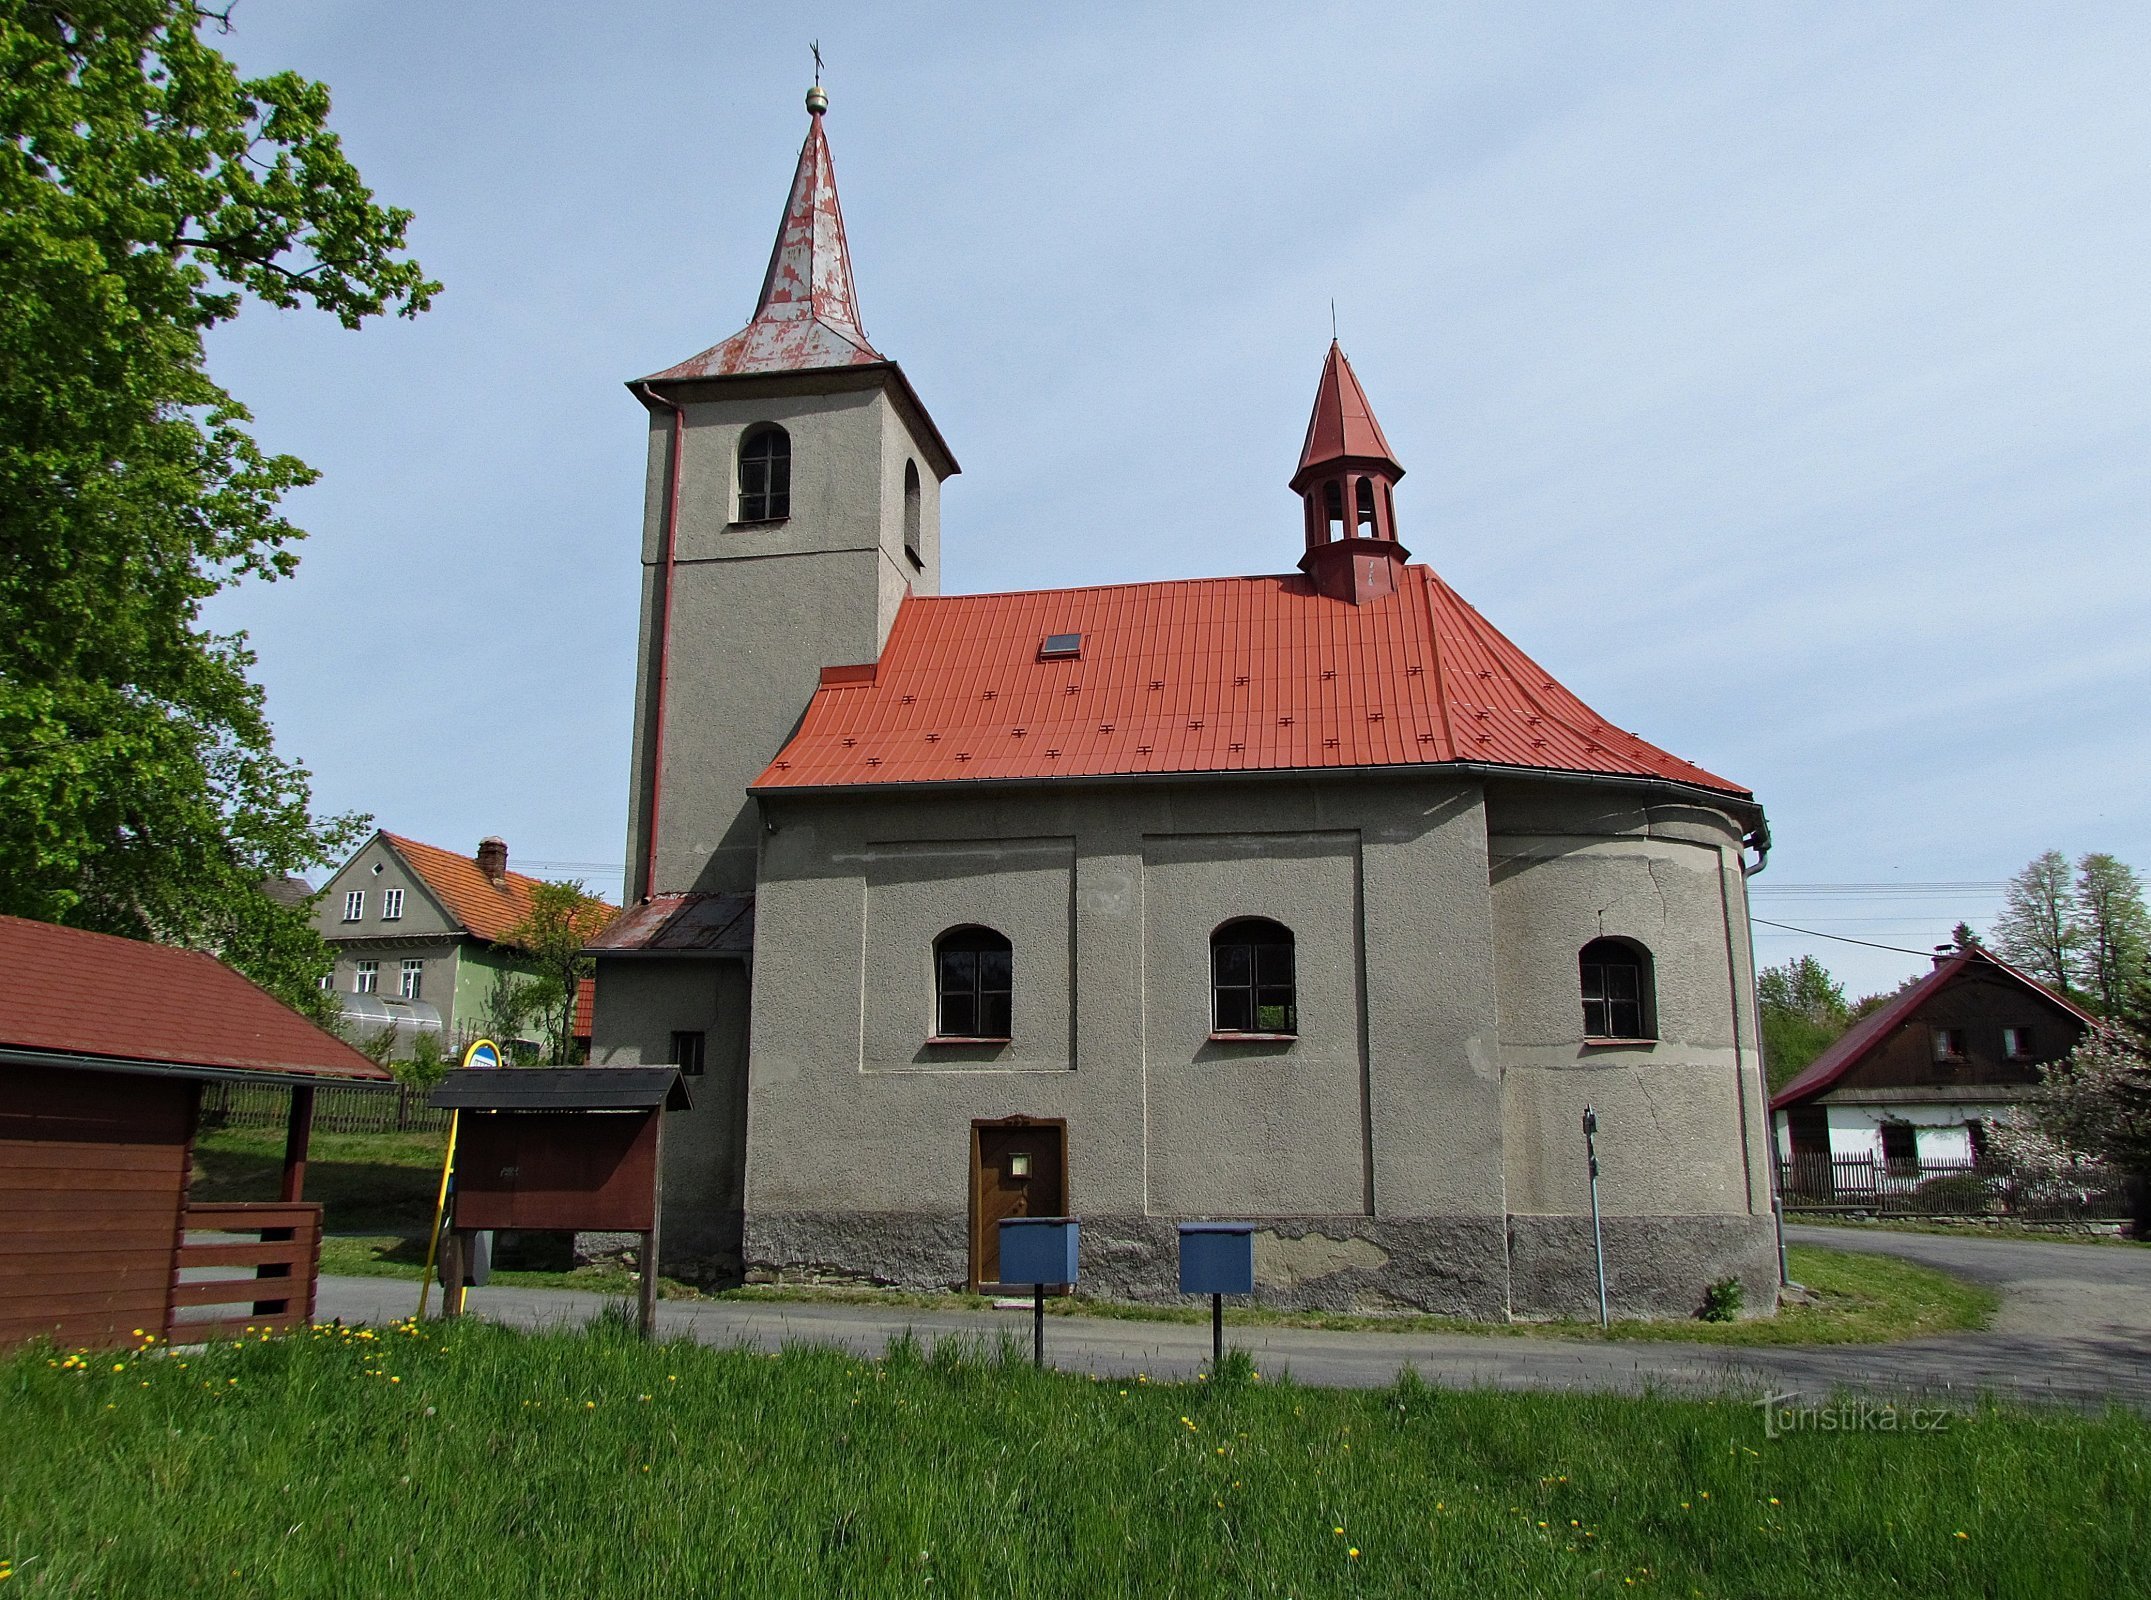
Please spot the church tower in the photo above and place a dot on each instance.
(1347, 476)
(793, 497)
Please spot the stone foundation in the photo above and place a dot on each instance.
(1485, 1268)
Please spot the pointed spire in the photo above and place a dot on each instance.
(808, 314)
(1342, 426)
(1347, 475)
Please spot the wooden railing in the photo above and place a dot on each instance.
(272, 1275)
(338, 1108)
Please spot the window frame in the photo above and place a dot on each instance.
(771, 501)
(1250, 997)
(975, 940)
(1947, 1046)
(366, 977)
(2017, 1043)
(354, 905)
(391, 905)
(1593, 959)
(411, 979)
(914, 516)
(690, 1051)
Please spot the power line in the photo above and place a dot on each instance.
(1840, 938)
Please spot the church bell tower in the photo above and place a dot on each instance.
(793, 498)
(1347, 478)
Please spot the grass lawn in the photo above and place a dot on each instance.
(475, 1462)
(366, 1182)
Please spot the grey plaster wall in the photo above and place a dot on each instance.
(757, 609)
(641, 1003)
(1409, 1148)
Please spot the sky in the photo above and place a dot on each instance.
(1774, 375)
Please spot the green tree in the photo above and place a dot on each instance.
(1803, 1012)
(2037, 929)
(146, 192)
(2113, 933)
(563, 920)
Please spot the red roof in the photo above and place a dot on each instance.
(1342, 425)
(585, 1006)
(76, 993)
(482, 906)
(1204, 675)
(808, 315)
(682, 924)
(1853, 1046)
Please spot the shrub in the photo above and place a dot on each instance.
(1722, 1301)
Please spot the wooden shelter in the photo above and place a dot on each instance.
(543, 1149)
(105, 1044)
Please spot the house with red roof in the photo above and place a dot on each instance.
(421, 935)
(1304, 897)
(105, 1045)
(1915, 1084)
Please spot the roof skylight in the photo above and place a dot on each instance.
(1061, 647)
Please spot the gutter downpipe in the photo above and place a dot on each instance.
(664, 631)
(1760, 838)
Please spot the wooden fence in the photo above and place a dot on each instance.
(338, 1108)
(271, 1275)
(1911, 1188)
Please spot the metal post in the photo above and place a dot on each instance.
(1598, 1236)
(1038, 1325)
(1217, 1332)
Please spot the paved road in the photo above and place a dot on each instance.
(2075, 1328)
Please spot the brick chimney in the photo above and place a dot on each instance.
(493, 859)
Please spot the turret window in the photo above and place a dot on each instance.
(1332, 510)
(1253, 988)
(765, 475)
(1617, 1000)
(1366, 527)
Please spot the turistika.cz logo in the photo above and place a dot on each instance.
(1784, 1413)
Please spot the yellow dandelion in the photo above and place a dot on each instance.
(1353, 1552)
(1961, 1534)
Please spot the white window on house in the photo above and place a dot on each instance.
(368, 979)
(391, 904)
(2017, 1043)
(328, 981)
(1949, 1044)
(414, 979)
(354, 905)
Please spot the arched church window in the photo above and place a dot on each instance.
(1366, 527)
(1252, 985)
(765, 475)
(973, 980)
(911, 514)
(1617, 998)
(1333, 510)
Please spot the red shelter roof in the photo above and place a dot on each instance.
(73, 993)
(1204, 675)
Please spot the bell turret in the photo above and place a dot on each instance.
(1347, 476)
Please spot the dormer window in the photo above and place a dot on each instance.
(1060, 647)
(765, 475)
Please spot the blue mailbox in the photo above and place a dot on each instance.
(1217, 1258)
(1038, 1249)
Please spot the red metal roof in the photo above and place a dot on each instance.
(1204, 675)
(1342, 425)
(808, 315)
(1853, 1046)
(76, 993)
(681, 924)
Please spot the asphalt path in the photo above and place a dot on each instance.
(2075, 1329)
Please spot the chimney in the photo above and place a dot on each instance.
(493, 859)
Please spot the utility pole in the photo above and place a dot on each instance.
(1598, 1235)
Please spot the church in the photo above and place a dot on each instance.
(1303, 898)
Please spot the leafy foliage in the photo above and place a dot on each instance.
(2092, 1106)
(2088, 935)
(145, 192)
(563, 919)
(1803, 1011)
(2036, 930)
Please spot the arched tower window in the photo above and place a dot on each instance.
(1616, 985)
(974, 970)
(1365, 525)
(911, 515)
(765, 475)
(1332, 510)
(1252, 986)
